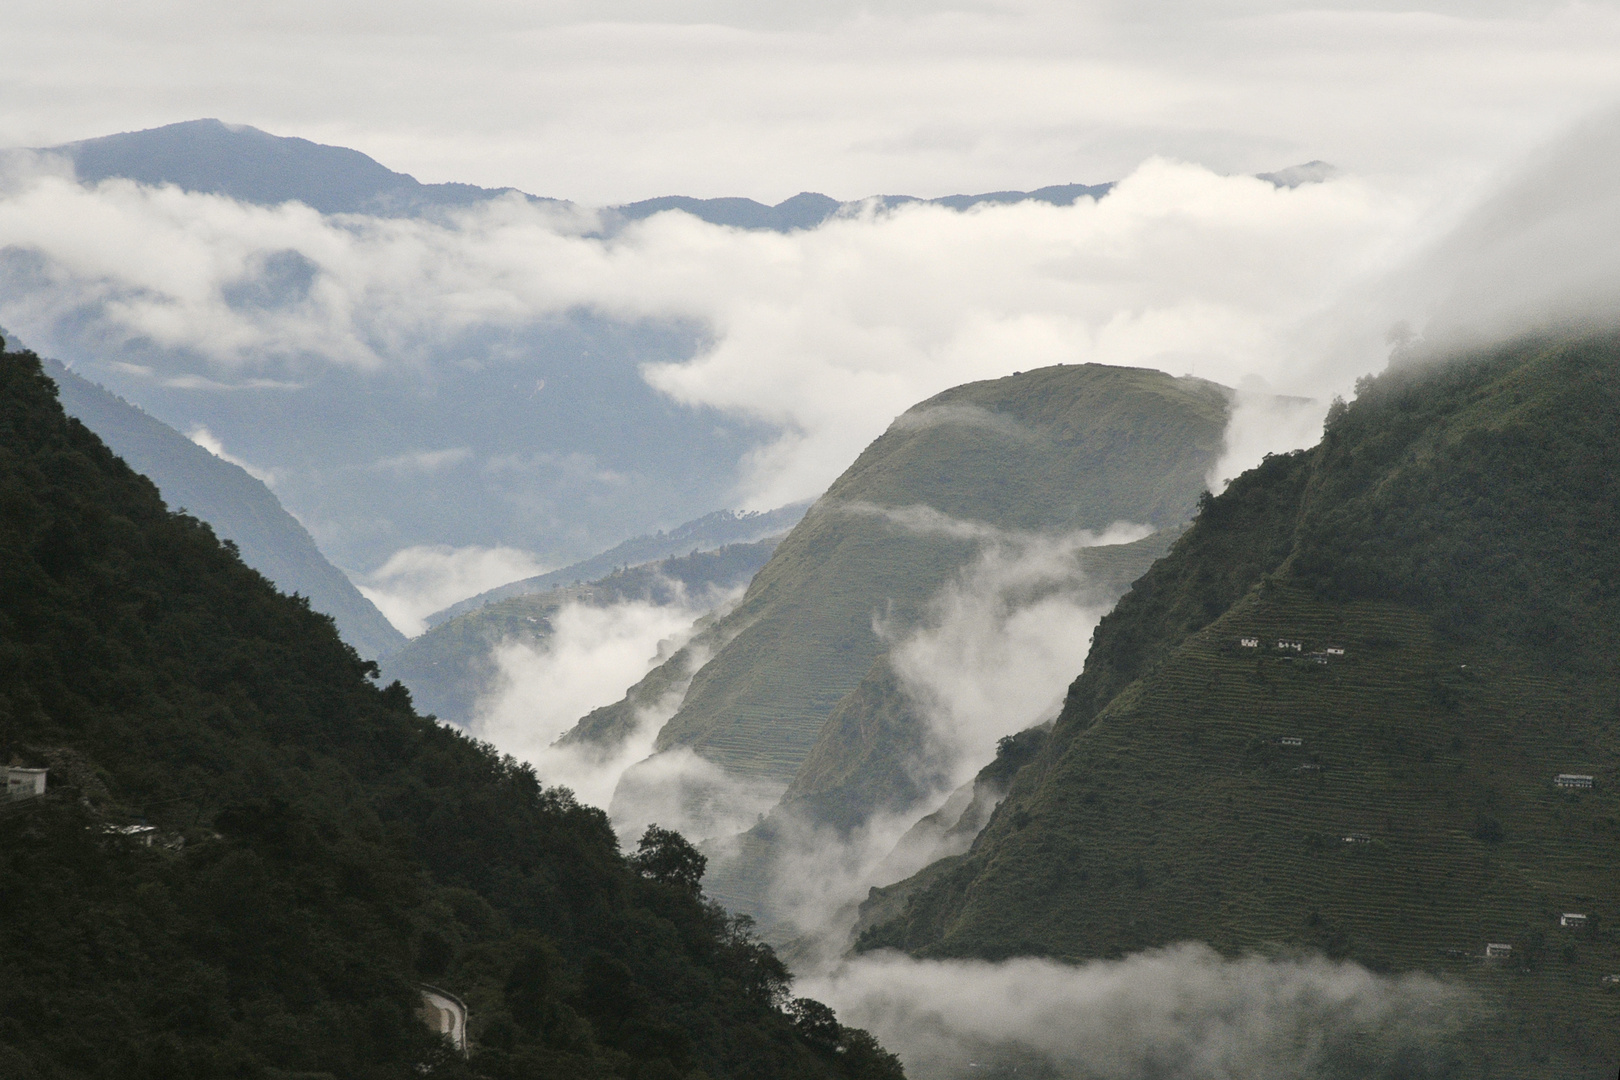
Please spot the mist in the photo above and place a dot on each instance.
(992, 654)
(417, 581)
(1182, 1012)
(813, 341)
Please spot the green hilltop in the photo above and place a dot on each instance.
(1456, 534)
(249, 857)
(1050, 451)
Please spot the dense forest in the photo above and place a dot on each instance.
(317, 851)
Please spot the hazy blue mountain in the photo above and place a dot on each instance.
(251, 165)
(708, 532)
(254, 166)
(238, 506)
(449, 668)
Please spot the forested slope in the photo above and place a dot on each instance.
(1457, 534)
(238, 507)
(320, 849)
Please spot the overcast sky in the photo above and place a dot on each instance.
(611, 101)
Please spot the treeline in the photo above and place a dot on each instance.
(320, 850)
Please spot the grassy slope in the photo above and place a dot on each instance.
(448, 668)
(1056, 449)
(1459, 514)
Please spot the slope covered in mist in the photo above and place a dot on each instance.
(317, 850)
(1051, 451)
(1455, 535)
(449, 668)
(238, 506)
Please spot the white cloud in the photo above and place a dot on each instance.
(594, 655)
(417, 581)
(998, 648)
(1182, 1011)
(207, 440)
(827, 334)
(423, 460)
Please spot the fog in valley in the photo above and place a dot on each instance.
(748, 368)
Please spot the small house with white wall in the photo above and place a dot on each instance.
(24, 783)
(1572, 780)
(1248, 642)
(1291, 646)
(1290, 740)
(444, 1014)
(1572, 920)
(1496, 950)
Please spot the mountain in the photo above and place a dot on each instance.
(722, 528)
(450, 667)
(238, 506)
(1335, 716)
(253, 166)
(1049, 451)
(242, 162)
(249, 858)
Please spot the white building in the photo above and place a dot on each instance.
(1571, 919)
(24, 783)
(1291, 740)
(1249, 642)
(1495, 950)
(1334, 650)
(1572, 780)
(1296, 646)
(445, 1014)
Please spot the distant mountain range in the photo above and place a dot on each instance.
(215, 158)
(238, 506)
(719, 529)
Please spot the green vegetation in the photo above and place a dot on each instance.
(449, 668)
(320, 851)
(1054, 450)
(1457, 533)
(237, 506)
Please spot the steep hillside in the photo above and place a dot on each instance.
(449, 668)
(1457, 535)
(238, 507)
(1050, 451)
(316, 849)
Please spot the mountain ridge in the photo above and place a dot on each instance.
(1333, 717)
(238, 505)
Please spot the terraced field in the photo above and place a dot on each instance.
(1455, 534)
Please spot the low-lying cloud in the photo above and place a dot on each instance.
(593, 656)
(1181, 1012)
(417, 581)
(1000, 645)
(823, 336)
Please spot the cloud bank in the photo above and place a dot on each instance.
(1183, 1012)
(822, 336)
(417, 581)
